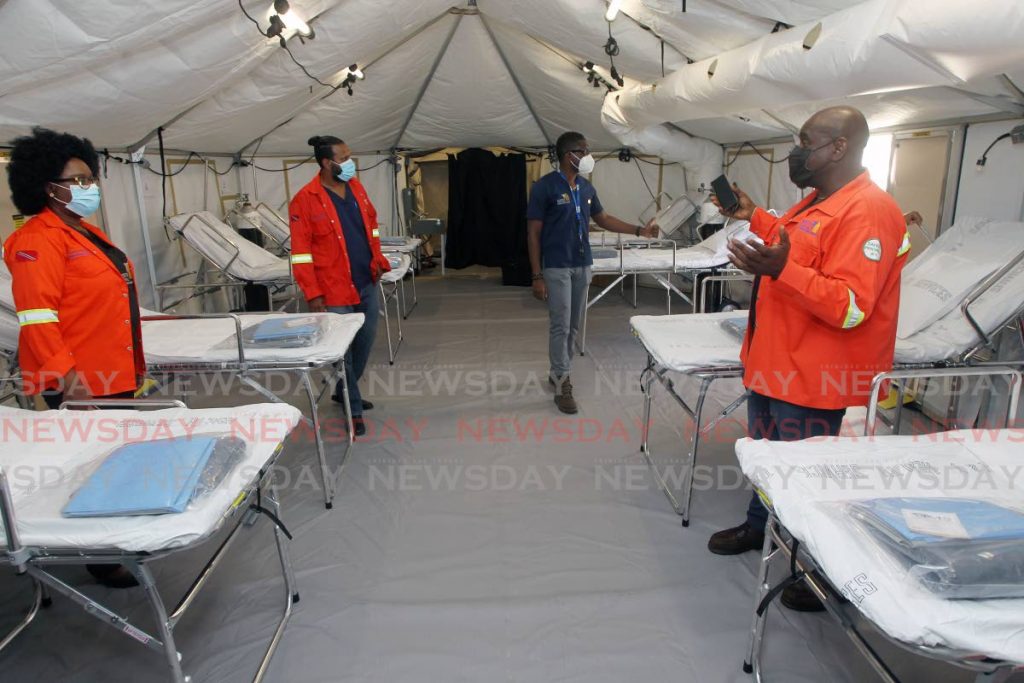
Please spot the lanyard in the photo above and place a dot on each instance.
(577, 203)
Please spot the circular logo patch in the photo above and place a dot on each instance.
(872, 250)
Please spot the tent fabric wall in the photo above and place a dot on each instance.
(995, 191)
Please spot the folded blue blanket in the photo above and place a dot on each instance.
(145, 478)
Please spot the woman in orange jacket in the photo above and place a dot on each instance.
(74, 291)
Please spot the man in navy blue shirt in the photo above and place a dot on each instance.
(558, 218)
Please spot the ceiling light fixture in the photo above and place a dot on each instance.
(283, 18)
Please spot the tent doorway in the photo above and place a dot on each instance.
(487, 213)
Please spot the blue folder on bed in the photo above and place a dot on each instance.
(283, 329)
(978, 520)
(144, 478)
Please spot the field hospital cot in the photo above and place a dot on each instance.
(238, 261)
(234, 488)
(955, 297)
(816, 490)
(245, 263)
(215, 343)
(701, 263)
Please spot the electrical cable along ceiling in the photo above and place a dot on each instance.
(491, 72)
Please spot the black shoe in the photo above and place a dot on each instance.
(112, 575)
(341, 401)
(358, 426)
(800, 598)
(736, 540)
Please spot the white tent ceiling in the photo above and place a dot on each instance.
(507, 73)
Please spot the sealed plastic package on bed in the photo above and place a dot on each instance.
(955, 547)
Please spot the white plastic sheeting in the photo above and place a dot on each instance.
(807, 479)
(52, 466)
(214, 340)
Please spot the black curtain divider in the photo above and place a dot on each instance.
(487, 213)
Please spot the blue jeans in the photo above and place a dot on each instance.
(359, 353)
(775, 420)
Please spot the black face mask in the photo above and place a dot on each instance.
(798, 172)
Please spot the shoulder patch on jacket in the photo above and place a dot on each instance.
(872, 249)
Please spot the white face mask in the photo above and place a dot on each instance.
(585, 165)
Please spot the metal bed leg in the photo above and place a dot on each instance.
(698, 412)
(321, 454)
(645, 446)
(636, 279)
(291, 594)
(145, 579)
(37, 601)
(406, 312)
(752, 664)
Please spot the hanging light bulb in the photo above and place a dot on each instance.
(287, 17)
(356, 72)
(613, 10)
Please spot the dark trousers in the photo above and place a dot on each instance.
(359, 353)
(775, 420)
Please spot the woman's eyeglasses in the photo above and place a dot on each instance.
(80, 180)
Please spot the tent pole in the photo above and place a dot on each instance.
(144, 224)
(430, 77)
(515, 79)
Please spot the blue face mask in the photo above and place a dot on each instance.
(346, 170)
(84, 200)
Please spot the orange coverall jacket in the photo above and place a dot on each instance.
(827, 325)
(73, 307)
(319, 256)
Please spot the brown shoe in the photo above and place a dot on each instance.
(800, 598)
(563, 395)
(736, 540)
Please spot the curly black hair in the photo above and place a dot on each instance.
(40, 158)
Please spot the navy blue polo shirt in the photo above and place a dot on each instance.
(354, 230)
(564, 241)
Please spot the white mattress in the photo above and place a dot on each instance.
(686, 342)
(940, 278)
(273, 224)
(45, 472)
(208, 235)
(411, 245)
(400, 264)
(636, 261)
(213, 340)
(806, 480)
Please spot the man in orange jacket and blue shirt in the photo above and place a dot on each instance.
(824, 303)
(336, 256)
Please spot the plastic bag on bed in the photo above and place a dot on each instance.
(392, 241)
(156, 477)
(737, 326)
(604, 254)
(285, 332)
(956, 548)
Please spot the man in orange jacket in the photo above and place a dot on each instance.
(824, 303)
(336, 256)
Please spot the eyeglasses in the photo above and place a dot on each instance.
(80, 180)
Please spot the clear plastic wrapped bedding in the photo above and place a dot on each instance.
(291, 332)
(392, 241)
(604, 253)
(163, 476)
(956, 548)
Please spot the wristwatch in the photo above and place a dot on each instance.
(538, 276)
(638, 229)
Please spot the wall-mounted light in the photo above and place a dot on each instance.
(283, 18)
(613, 10)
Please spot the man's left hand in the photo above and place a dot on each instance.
(760, 259)
(650, 230)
